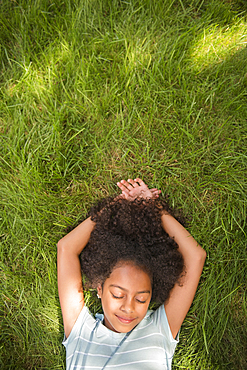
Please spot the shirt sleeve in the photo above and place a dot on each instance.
(160, 318)
(83, 317)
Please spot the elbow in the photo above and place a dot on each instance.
(195, 262)
(60, 245)
(201, 257)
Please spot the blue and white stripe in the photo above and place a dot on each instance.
(150, 346)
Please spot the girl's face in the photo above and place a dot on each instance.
(125, 297)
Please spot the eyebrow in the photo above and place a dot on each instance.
(117, 286)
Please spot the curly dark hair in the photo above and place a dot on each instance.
(132, 231)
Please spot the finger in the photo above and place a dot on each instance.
(126, 184)
(155, 190)
(142, 183)
(133, 183)
(125, 194)
(121, 186)
(155, 194)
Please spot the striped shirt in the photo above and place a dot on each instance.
(91, 345)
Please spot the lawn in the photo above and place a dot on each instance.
(95, 91)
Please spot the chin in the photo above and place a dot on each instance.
(124, 327)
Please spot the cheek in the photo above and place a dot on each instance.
(142, 310)
(109, 305)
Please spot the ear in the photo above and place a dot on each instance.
(99, 290)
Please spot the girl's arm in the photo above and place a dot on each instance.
(70, 288)
(194, 256)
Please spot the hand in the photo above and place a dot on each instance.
(133, 189)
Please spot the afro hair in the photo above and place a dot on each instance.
(131, 231)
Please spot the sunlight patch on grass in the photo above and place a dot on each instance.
(41, 74)
(216, 44)
(138, 53)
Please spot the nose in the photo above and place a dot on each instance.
(128, 306)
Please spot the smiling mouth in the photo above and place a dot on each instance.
(125, 320)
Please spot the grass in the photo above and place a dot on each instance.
(95, 91)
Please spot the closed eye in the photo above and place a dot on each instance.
(114, 296)
(138, 300)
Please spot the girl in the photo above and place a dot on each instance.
(135, 253)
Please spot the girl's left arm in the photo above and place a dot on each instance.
(194, 256)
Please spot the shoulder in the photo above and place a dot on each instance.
(157, 319)
(157, 316)
(85, 322)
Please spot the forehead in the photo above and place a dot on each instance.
(129, 277)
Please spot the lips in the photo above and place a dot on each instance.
(125, 320)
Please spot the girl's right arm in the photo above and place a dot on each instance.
(70, 288)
